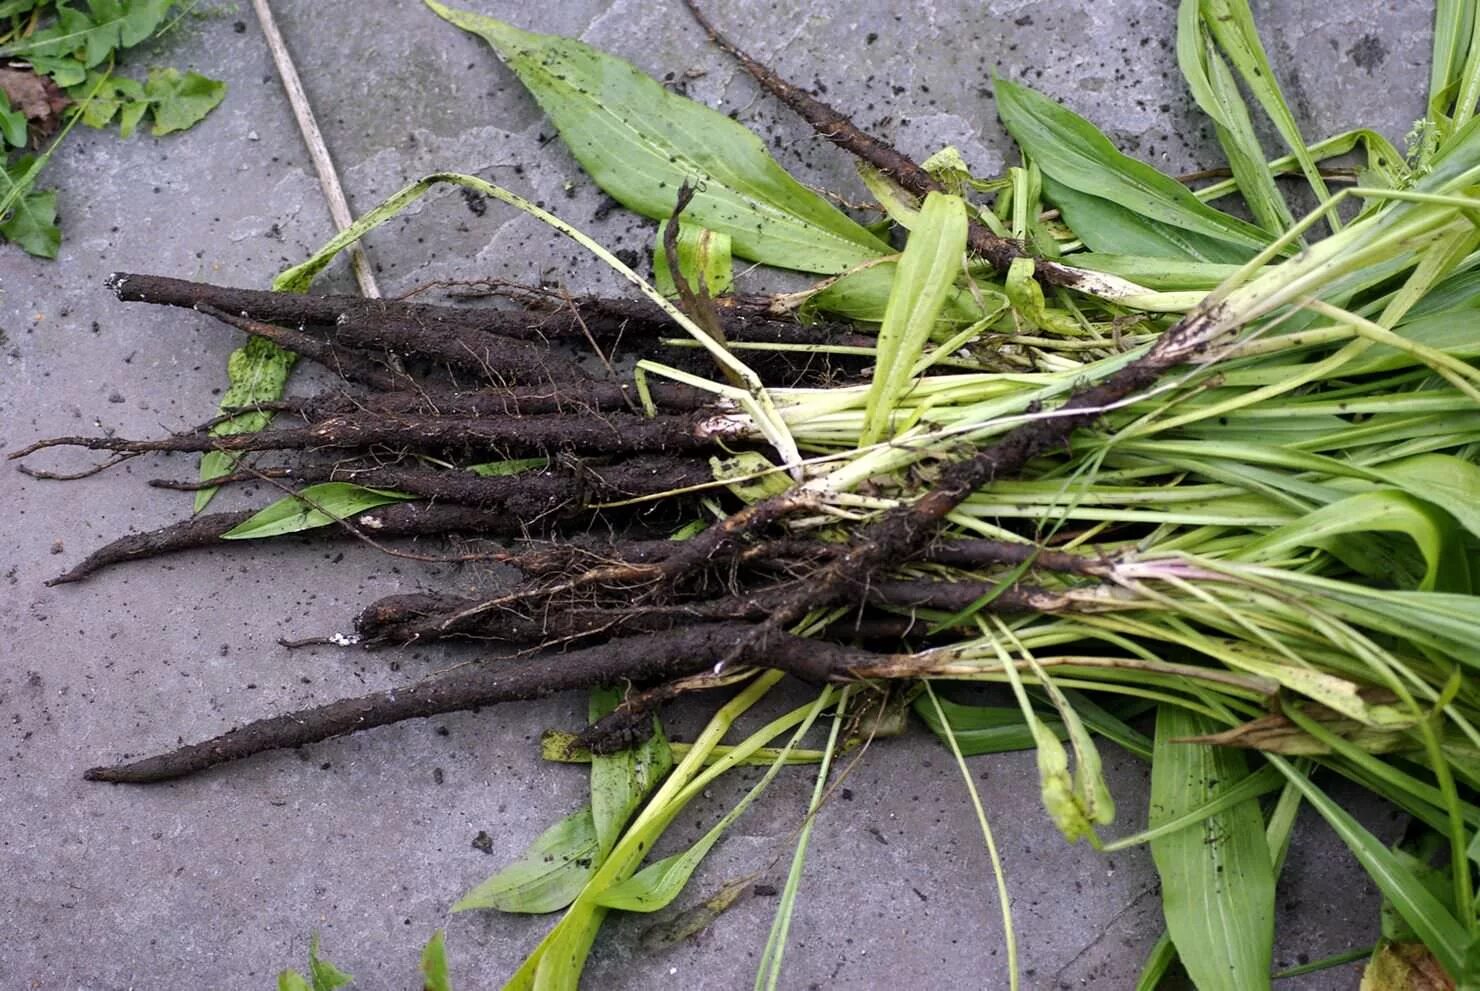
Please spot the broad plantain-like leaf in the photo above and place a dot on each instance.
(641, 142)
(315, 506)
(863, 296)
(546, 877)
(1105, 225)
(1075, 156)
(922, 282)
(1217, 878)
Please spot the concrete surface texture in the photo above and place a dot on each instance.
(218, 881)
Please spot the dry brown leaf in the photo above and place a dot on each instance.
(1405, 967)
(36, 96)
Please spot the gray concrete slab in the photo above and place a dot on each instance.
(216, 882)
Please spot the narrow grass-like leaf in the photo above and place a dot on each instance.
(1255, 785)
(1217, 877)
(548, 876)
(768, 974)
(1216, 92)
(1232, 26)
(1440, 931)
(998, 876)
(1452, 26)
(1163, 954)
(640, 142)
(314, 506)
(656, 885)
(927, 270)
(1157, 273)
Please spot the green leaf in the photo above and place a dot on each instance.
(621, 781)
(1073, 154)
(640, 142)
(548, 876)
(1451, 483)
(1217, 877)
(1452, 27)
(1028, 301)
(1215, 91)
(656, 885)
(65, 72)
(314, 506)
(750, 474)
(511, 466)
(92, 36)
(177, 100)
(863, 296)
(983, 729)
(325, 976)
(30, 222)
(1432, 530)
(434, 975)
(1105, 225)
(180, 101)
(291, 980)
(255, 373)
(1444, 935)
(703, 258)
(13, 127)
(9, 8)
(926, 273)
(1231, 25)
(1157, 273)
(110, 94)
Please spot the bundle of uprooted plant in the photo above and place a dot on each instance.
(1084, 435)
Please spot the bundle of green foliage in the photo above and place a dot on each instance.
(57, 67)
